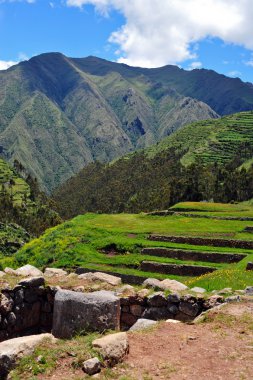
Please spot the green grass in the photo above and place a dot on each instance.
(80, 241)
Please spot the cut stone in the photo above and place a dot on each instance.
(78, 312)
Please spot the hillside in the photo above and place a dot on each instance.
(22, 208)
(198, 162)
(57, 114)
(210, 248)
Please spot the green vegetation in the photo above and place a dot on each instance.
(160, 176)
(71, 112)
(22, 208)
(113, 243)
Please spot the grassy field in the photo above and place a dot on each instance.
(114, 243)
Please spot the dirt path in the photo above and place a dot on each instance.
(219, 349)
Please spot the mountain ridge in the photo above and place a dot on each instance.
(58, 114)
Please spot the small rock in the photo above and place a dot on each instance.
(225, 291)
(157, 300)
(112, 347)
(108, 278)
(196, 289)
(239, 291)
(249, 291)
(6, 304)
(189, 308)
(157, 313)
(2, 274)
(79, 288)
(86, 276)
(142, 324)
(29, 270)
(126, 290)
(233, 299)
(173, 298)
(143, 293)
(137, 310)
(92, 366)
(249, 266)
(172, 321)
(152, 283)
(10, 271)
(40, 359)
(32, 282)
(172, 285)
(55, 272)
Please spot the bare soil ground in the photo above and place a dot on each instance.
(220, 348)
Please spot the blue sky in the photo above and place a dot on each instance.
(214, 34)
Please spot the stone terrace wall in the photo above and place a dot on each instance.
(159, 307)
(245, 244)
(26, 309)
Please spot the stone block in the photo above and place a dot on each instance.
(80, 312)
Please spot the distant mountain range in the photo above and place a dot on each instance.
(206, 160)
(57, 114)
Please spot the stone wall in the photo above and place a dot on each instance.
(159, 307)
(26, 309)
(175, 269)
(244, 244)
(181, 254)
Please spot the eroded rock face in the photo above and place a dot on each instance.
(77, 312)
(112, 347)
(13, 349)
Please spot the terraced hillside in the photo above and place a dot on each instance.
(198, 162)
(21, 205)
(123, 244)
(219, 141)
(13, 184)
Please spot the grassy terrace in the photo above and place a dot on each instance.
(114, 243)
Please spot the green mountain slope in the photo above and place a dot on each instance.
(21, 205)
(58, 114)
(198, 162)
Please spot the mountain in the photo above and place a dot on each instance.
(57, 114)
(206, 160)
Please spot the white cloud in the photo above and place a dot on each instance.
(195, 65)
(4, 65)
(249, 63)
(234, 74)
(158, 32)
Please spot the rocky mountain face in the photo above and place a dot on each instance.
(58, 114)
